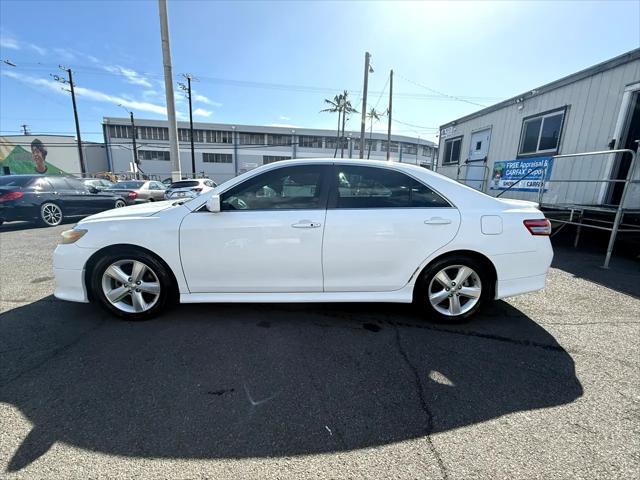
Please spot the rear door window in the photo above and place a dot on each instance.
(374, 187)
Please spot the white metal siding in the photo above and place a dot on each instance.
(593, 105)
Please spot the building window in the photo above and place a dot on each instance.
(541, 133)
(426, 151)
(331, 143)
(183, 135)
(198, 136)
(308, 141)
(410, 149)
(251, 139)
(278, 139)
(153, 155)
(273, 158)
(120, 131)
(217, 158)
(153, 133)
(218, 136)
(394, 146)
(373, 143)
(452, 149)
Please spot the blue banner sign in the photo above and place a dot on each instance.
(506, 173)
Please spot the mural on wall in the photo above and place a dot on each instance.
(506, 173)
(31, 158)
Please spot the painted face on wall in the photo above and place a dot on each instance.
(38, 157)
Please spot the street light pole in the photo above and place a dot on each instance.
(168, 86)
(363, 121)
(389, 110)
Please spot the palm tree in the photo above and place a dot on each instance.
(373, 114)
(347, 109)
(335, 106)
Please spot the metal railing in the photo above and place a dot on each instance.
(483, 181)
(619, 209)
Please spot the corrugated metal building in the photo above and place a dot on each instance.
(594, 109)
(224, 150)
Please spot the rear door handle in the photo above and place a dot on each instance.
(437, 221)
(306, 224)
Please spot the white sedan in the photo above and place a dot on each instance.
(311, 230)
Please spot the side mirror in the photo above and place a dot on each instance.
(213, 204)
(93, 189)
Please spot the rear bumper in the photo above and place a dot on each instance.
(518, 286)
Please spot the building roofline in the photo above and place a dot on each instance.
(574, 77)
(141, 122)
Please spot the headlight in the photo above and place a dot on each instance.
(72, 236)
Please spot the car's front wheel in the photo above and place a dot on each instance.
(50, 214)
(133, 285)
(453, 289)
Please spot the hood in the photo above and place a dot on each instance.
(134, 211)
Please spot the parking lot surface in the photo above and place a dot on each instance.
(546, 385)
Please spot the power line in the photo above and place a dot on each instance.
(453, 97)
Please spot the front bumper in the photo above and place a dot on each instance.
(68, 270)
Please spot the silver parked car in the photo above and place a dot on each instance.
(139, 191)
(189, 188)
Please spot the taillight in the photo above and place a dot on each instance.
(197, 189)
(5, 197)
(132, 195)
(541, 226)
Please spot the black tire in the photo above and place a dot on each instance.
(164, 278)
(428, 285)
(51, 214)
(119, 203)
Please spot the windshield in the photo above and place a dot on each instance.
(184, 184)
(11, 181)
(127, 185)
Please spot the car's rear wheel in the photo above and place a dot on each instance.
(452, 289)
(133, 285)
(120, 203)
(50, 214)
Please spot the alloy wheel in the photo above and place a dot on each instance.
(120, 204)
(51, 214)
(455, 290)
(131, 286)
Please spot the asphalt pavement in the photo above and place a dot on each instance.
(545, 385)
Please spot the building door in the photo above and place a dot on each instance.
(477, 160)
(629, 140)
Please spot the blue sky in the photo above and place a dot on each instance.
(275, 62)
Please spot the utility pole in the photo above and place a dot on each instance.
(188, 90)
(25, 129)
(168, 86)
(69, 82)
(367, 69)
(389, 110)
(135, 149)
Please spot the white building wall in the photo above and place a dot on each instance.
(593, 105)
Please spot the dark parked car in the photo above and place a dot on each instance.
(50, 198)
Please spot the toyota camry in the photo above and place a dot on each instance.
(312, 230)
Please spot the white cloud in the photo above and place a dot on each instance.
(206, 100)
(130, 75)
(37, 49)
(9, 42)
(201, 112)
(286, 119)
(64, 53)
(89, 93)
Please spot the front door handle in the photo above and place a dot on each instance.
(437, 221)
(306, 224)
